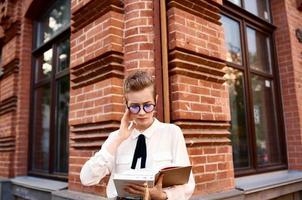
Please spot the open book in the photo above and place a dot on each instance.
(172, 176)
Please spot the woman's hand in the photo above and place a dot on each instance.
(156, 193)
(124, 132)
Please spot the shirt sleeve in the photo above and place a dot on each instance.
(180, 158)
(99, 165)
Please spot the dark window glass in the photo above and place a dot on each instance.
(259, 51)
(258, 7)
(44, 65)
(42, 128)
(232, 40)
(54, 21)
(62, 125)
(268, 150)
(49, 152)
(63, 55)
(239, 137)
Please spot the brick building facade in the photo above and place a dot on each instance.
(227, 72)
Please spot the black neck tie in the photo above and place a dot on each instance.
(140, 152)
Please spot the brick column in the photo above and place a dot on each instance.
(23, 104)
(97, 73)
(139, 35)
(287, 18)
(139, 43)
(199, 98)
(10, 23)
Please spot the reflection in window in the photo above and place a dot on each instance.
(43, 66)
(265, 122)
(237, 2)
(46, 66)
(239, 138)
(232, 40)
(63, 55)
(62, 125)
(259, 51)
(54, 21)
(258, 7)
(42, 128)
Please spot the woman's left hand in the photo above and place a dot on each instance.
(155, 192)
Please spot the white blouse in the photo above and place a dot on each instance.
(165, 148)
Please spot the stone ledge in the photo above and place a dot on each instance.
(228, 195)
(26, 187)
(39, 183)
(261, 186)
(270, 185)
(260, 182)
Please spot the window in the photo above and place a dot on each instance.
(50, 98)
(256, 126)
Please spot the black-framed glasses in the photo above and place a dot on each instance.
(136, 108)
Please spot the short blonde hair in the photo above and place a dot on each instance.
(137, 81)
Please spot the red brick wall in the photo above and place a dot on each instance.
(9, 51)
(8, 88)
(139, 35)
(287, 19)
(6, 169)
(105, 34)
(194, 33)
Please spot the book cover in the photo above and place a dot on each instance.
(175, 175)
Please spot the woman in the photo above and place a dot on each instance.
(141, 142)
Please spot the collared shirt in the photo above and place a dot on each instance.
(165, 148)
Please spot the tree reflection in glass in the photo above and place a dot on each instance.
(61, 162)
(63, 55)
(258, 7)
(43, 66)
(47, 63)
(232, 40)
(42, 128)
(259, 51)
(54, 21)
(267, 140)
(234, 81)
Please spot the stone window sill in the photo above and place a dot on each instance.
(39, 183)
(260, 182)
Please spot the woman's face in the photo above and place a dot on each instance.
(141, 98)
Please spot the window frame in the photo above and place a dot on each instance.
(246, 19)
(53, 44)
